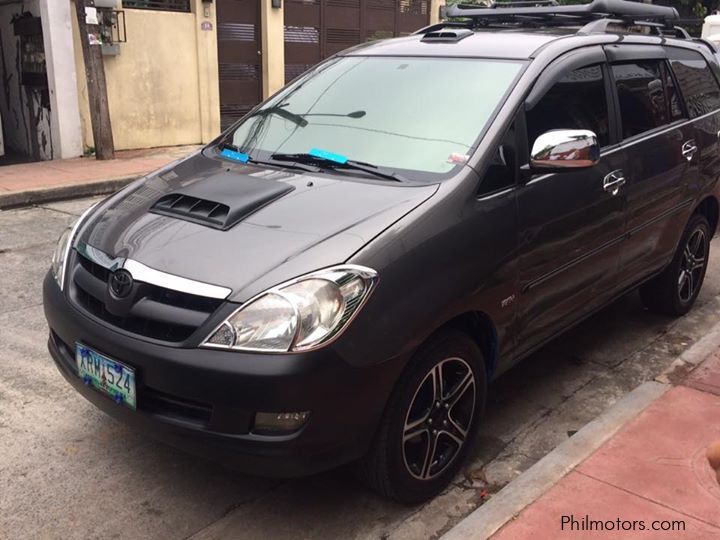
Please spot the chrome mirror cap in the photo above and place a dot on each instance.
(565, 149)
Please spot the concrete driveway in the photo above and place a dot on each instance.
(68, 471)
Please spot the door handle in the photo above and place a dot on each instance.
(613, 182)
(689, 149)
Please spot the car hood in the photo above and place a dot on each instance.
(277, 224)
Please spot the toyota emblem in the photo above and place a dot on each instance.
(121, 283)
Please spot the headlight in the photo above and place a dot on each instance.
(62, 249)
(59, 256)
(300, 315)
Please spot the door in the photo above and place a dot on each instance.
(239, 60)
(701, 96)
(571, 224)
(661, 155)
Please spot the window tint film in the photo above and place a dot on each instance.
(641, 93)
(577, 101)
(697, 84)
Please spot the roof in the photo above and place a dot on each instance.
(510, 44)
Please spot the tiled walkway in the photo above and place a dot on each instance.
(65, 172)
(653, 471)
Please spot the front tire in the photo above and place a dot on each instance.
(675, 290)
(430, 422)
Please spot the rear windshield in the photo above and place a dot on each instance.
(419, 116)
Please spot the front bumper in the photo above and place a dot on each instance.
(204, 401)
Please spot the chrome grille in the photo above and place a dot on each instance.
(151, 311)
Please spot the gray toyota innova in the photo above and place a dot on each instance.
(339, 276)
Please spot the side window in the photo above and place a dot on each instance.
(577, 101)
(675, 110)
(697, 83)
(501, 173)
(641, 92)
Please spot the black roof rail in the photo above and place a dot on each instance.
(544, 11)
(707, 43)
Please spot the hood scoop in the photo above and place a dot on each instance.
(220, 201)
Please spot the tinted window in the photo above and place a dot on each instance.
(675, 110)
(502, 169)
(641, 92)
(383, 111)
(577, 101)
(697, 83)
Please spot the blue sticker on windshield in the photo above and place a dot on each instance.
(324, 154)
(235, 156)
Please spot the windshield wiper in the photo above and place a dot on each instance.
(300, 119)
(329, 163)
(246, 158)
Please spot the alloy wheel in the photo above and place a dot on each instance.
(439, 418)
(692, 265)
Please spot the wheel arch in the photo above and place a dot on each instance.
(711, 210)
(481, 329)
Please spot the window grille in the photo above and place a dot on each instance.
(159, 5)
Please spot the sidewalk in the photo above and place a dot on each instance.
(653, 472)
(32, 183)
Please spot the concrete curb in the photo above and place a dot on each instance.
(531, 484)
(691, 357)
(44, 195)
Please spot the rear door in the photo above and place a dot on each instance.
(660, 157)
(571, 226)
(699, 87)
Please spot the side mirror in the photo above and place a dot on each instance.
(565, 149)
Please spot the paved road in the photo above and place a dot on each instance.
(68, 471)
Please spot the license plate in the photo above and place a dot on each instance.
(106, 375)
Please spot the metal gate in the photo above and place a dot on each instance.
(240, 69)
(316, 29)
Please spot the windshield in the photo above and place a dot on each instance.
(419, 115)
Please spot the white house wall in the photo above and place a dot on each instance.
(64, 109)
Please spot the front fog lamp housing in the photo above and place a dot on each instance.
(300, 315)
(267, 423)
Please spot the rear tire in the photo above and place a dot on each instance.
(675, 290)
(428, 428)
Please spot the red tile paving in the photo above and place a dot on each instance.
(49, 174)
(578, 496)
(654, 468)
(661, 454)
(707, 376)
